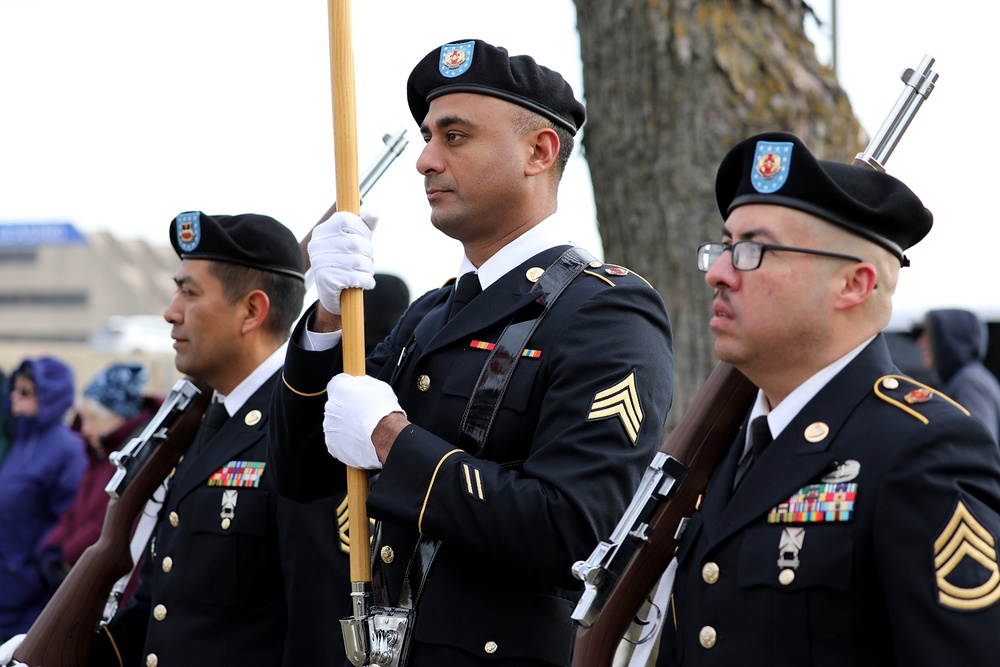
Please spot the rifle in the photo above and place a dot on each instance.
(618, 576)
(393, 145)
(63, 634)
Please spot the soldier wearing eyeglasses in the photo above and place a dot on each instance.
(855, 519)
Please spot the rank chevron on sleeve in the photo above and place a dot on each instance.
(966, 542)
(620, 400)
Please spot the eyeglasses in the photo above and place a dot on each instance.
(747, 255)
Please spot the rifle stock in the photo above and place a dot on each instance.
(699, 441)
(63, 634)
(613, 594)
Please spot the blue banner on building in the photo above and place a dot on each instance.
(33, 234)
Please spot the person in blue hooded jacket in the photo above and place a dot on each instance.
(38, 480)
(954, 344)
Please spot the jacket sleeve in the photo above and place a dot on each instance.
(935, 533)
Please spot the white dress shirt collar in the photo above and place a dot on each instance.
(251, 383)
(539, 238)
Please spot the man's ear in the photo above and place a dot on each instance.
(859, 281)
(258, 305)
(544, 147)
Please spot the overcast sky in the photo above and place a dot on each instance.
(118, 114)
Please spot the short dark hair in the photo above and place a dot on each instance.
(526, 120)
(286, 293)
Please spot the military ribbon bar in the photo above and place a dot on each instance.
(483, 345)
(816, 503)
(238, 473)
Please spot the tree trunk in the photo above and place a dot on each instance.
(671, 86)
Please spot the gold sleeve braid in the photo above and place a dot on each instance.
(300, 393)
(420, 519)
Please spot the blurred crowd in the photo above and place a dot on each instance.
(54, 466)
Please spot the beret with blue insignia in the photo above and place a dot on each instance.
(777, 168)
(252, 240)
(473, 66)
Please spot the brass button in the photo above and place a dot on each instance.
(710, 573)
(159, 612)
(168, 564)
(424, 382)
(252, 418)
(175, 519)
(387, 554)
(816, 432)
(152, 660)
(890, 383)
(226, 523)
(534, 273)
(707, 637)
(173, 471)
(491, 647)
(786, 576)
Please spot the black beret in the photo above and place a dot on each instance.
(249, 239)
(777, 168)
(473, 66)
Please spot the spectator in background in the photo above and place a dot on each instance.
(111, 411)
(954, 343)
(38, 480)
(6, 427)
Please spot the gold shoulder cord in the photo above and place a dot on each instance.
(910, 411)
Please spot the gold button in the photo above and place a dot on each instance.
(816, 431)
(252, 418)
(424, 382)
(491, 647)
(168, 564)
(152, 660)
(707, 637)
(786, 576)
(175, 519)
(534, 273)
(226, 523)
(710, 573)
(890, 383)
(159, 612)
(387, 554)
(173, 471)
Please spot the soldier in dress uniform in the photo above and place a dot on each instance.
(214, 586)
(505, 489)
(858, 524)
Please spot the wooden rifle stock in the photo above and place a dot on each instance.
(699, 441)
(63, 634)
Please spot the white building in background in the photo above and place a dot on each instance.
(60, 286)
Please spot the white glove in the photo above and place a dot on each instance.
(8, 648)
(342, 256)
(354, 406)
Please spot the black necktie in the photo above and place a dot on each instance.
(215, 417)
(760, 438)
(466, 290)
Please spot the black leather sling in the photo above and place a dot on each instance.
(485, 400)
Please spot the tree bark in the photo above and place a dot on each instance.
(671, 86)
